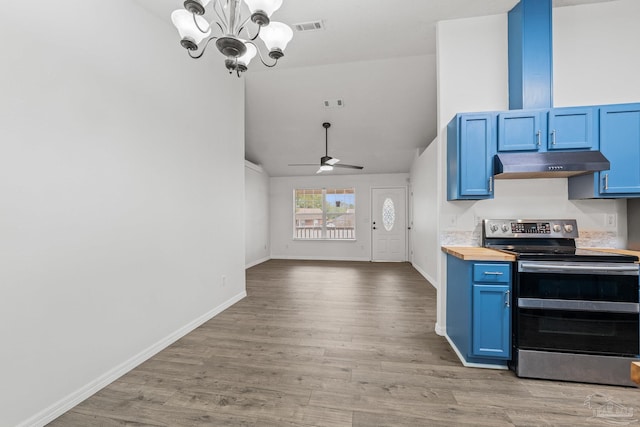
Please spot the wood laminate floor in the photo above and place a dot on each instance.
(334, 344)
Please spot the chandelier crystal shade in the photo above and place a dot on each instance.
(230, 21)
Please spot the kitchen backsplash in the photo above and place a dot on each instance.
(598, 239)
(586, 239)
(461, 238)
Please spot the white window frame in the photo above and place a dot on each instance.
(323, 226)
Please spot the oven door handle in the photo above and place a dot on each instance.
(577, 305)
(586, 269)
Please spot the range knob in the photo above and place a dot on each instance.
(568, 228)
(557, 228)
(505, 227)
(494, 227)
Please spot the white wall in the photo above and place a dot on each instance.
(387, 102)
(424, 230)
(256, 208)
(114, 216)
(282, 243)
(472, 76)
(595, 53)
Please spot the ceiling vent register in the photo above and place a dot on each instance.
(309, 26)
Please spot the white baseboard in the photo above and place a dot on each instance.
(425, 275)
(473, 365)
(320, 258)
(63, 405)
(256, 262)
(440, 330)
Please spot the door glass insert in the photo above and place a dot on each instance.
(388, 214)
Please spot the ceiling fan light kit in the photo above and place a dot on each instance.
(327, 163)
(227, 15)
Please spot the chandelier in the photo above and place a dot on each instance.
(195, 23)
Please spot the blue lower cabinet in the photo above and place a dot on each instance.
(491, 320)
(479, 310)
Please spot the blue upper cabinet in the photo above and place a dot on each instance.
(530, 55)
(470, 149)
(571, 128)
(521, 130)
(553, 129)
(620, 144)
(619, 141)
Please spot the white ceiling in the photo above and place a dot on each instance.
(379, 59)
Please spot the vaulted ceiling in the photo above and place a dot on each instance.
(377, 57)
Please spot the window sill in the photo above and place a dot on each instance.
(323, 240)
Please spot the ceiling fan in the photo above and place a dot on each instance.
(327, 163)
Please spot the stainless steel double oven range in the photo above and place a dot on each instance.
(575, 311)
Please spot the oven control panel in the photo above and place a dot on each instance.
(530, 228)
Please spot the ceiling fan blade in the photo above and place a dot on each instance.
(327, 163)
(332, 161)
(342, 165)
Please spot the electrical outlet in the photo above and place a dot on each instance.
(610, 220)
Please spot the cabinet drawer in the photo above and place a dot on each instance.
(495, 273)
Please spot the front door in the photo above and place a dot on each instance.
(389, 224)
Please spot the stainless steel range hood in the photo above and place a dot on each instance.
(548, 165)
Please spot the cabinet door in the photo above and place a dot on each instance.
(620, 144)
(491, 333)
(476, 156)
(570, 128)
(521, 131)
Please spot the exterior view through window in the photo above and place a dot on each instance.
(325, 213)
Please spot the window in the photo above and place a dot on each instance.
(324, 213)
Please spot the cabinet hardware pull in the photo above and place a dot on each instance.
(494, 273)
(553, 137)
(539, 137)
(606, 181)
(507, 298)
(490, 184)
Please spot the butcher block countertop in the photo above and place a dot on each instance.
(617, 251)
(473, 253)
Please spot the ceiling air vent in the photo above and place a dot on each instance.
(309, 26)
(333, 103)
